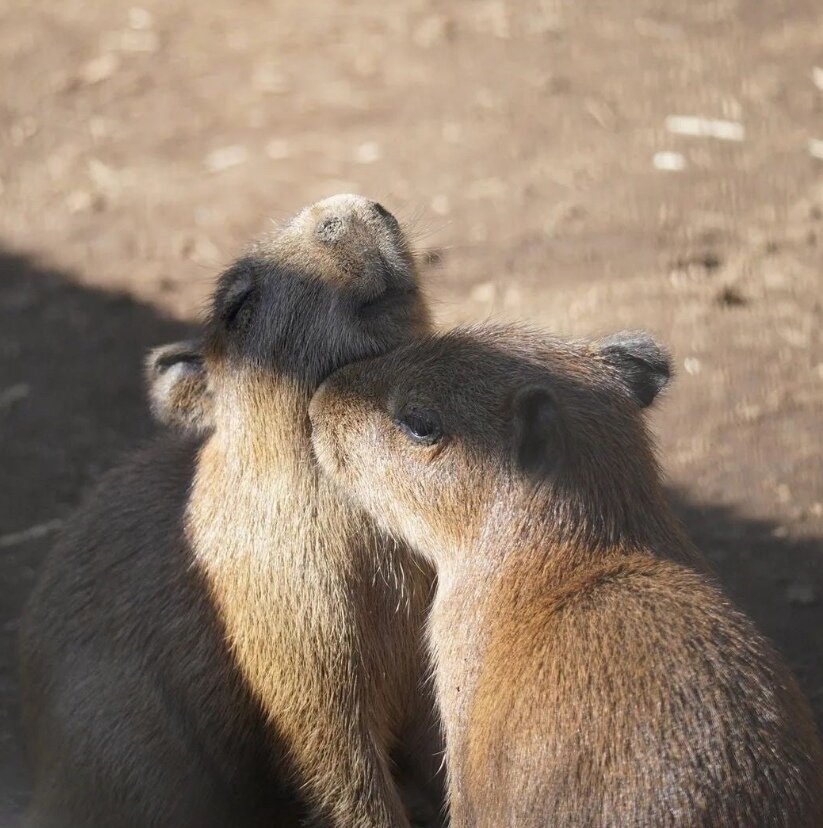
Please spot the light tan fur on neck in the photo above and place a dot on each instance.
(296, 539)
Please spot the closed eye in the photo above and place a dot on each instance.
(232, 316)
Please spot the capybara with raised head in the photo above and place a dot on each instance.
(589, 669)
(218, 634)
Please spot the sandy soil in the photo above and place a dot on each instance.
(141, 147)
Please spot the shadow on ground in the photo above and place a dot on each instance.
(776, 579)
(72, 402)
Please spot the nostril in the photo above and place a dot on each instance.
(329, 228)
(384, 214)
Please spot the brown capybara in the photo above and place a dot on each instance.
(216, 620)
(589, 671)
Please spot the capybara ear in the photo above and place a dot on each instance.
(178, 387)
(643, 365)
(538, 431)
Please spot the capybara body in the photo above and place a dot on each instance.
(217, 625)
(135, 709)
(589, 670)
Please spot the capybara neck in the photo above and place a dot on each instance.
(247, 429)
(552, 530)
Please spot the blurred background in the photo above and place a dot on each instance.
(586, 166)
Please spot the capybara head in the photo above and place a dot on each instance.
(334, 284)
(449, 440)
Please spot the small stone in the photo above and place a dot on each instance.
(692, 365)
(226, 157)
(699, 127)
(801, 595)
(14, 394)
(816, 148)
(817, 77)
(669, 161)
(99, 69)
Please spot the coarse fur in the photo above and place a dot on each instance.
(178, 388)
(217, 632)
(589, 669)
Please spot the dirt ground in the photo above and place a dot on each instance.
(141, 147)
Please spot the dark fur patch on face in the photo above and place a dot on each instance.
(303, 303)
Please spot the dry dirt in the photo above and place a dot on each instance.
(141, 147)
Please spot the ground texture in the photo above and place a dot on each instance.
(142, 147)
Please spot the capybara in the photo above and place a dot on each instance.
(589, 669)
(218, 632)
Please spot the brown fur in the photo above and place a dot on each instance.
(178, 390)
(589, 670)
(216, 620)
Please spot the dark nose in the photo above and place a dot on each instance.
(387, 218)
(338, 215)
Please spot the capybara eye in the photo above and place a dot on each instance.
(420, 426)
(237, 313)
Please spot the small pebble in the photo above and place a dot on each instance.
(670, 161)
(13, 394)
(99, 69)
(700, 127)
(802, 595)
